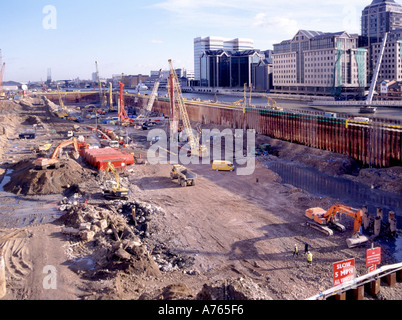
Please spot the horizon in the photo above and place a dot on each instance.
(133, 37)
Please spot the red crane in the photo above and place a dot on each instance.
(122, 113)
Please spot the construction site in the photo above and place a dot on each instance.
(87, 212)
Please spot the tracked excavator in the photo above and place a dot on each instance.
(325, 221)
(44, 163)
(117, 192)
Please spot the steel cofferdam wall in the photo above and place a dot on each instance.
(372, 143)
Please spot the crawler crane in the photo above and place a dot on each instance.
(196, 148)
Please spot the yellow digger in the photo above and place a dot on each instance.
(41, 149)
(117, 192)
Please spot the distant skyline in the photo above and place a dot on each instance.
(136, 37)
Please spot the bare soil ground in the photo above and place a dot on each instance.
(228, 237)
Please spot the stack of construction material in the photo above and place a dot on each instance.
(99, 158)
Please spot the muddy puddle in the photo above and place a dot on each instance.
(346, 191)
(19, 212)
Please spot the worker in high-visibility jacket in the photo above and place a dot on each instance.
(309, 257)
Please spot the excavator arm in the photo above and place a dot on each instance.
(357, 214)
(110, 167)
(64, 144)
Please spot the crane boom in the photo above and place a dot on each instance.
(60, 98)
(100, 86)
(196, 149)
(154, 92)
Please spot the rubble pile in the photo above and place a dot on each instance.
(119, 237)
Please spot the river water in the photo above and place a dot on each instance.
(348, 192)
(19, 212)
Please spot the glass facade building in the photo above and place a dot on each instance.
(203, 44)
(227, 69)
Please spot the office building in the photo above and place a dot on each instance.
(313, 62)
(203, 44)
(379, 17)
(227, 69)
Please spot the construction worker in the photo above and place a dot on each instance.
(296, 251)
(306, 248)
(309, 258)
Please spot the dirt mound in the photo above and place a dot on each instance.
(27, 180)
(387, 179)
(176, 291)
(233, 289)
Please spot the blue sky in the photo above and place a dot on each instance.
(139, 36)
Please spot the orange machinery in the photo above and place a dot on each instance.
(323, 221)
(44, 163)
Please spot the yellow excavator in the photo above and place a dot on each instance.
(117, 192)
(323, 220)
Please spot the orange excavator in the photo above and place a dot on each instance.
(323, 221)
(44, 163)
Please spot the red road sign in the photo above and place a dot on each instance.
(344, 271)
(373, 257)
(372, 268)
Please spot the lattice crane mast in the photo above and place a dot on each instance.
(196, 148)
(100, 87)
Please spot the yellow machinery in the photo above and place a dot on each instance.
(196, 148)
(273, 106)
(117, 192)
(41, 149)
(322, 220)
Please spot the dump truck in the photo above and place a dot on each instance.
(183, 175)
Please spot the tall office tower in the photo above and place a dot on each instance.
(379, 17)
(202, 44)
(49, 76)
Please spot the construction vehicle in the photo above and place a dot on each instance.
(324, 220)
(273, 106)
(222, 165)
(41, 149)
(184, 176)
(117, 192)
(196, 148)
(53, 161)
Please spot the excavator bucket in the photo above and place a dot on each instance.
(356, 241)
